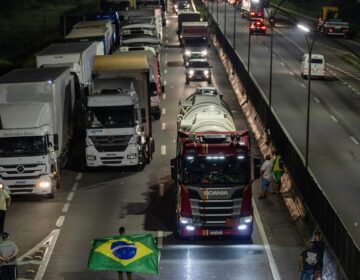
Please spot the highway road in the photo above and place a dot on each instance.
(54, 235)
(334, 150)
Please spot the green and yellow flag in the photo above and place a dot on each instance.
(130, 253)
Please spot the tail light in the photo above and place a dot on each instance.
(263, 27)
(246, 206)
(330, 30)
(252, 14)
(185, 202)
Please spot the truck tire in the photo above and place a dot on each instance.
(187, 82)
(50, 196)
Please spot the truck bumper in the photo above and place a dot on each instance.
(193, 231)
(44, 185)
(129, 157)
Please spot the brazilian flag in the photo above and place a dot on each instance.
(130, 253)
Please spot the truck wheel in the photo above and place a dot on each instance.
(187, 82)
(141, 164)
(209, 82)
(50, 196)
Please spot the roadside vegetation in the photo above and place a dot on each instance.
(27, 26)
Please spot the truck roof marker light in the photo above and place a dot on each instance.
(241, 157)
(190, 157)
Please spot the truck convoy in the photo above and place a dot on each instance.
(195, 39)
(329, 22)
(211, 169)
(118, 129)
(35, 128)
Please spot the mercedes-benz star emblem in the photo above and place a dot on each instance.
(20, 168)
(111, 139)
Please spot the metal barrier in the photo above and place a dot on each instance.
(344, 247)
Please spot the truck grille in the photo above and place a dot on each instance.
(113, 143)
(217, 212)
(21, 188)
(21, 171)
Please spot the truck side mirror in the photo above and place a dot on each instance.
(56, 142)
(173, 169)
(255, 168)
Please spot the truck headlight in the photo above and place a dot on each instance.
(204, 52)
(187, 52)
(185, 220)
(91, 157)
(44, 184)
(242, 227)
(206, 72)
(190, 228)
(191, 72)
(132, 156)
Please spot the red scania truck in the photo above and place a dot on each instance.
(212, 170)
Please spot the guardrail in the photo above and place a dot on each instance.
(343, 246)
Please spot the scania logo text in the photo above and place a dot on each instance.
(216, 193)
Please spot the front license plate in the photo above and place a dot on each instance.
(215, 232)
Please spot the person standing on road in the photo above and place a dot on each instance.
(308, 262)
(120, 273)
(265, 172)
(319, 246)
(5, 201)
(8, 252)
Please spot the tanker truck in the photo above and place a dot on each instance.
(212, 169)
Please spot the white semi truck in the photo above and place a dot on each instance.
(118, 113)
(35, 128)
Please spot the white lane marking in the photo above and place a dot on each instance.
(317, 100)
(70, 196)
(160, 235)
(50, 244)
(282, 63)
(163, 126)
(161, 190)
(66, 207)
(167, 41)
(78, 177)
(166, 62)
(354, 140)
(164, 96)
(60, 221)
(165, 71)
(291, 73)
(163, 150)
(304, 86)
(333, 118)
(75, 186)
(265, 46)
(272, 263)
(163, 111)
(166, 54)
(165, 83)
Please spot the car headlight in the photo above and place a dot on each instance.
(44, 184)
(191, 72)
(187, 52)
(206, 72)
(132, 156)
(204, 52)
(91, 157)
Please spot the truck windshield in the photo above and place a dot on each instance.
(216, 170)
(196, 43)
(198, 64)
(23, 146)
(111, 117)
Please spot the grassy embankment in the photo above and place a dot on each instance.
(26, 30)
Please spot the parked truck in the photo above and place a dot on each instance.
(195, 39)
(330, 23)
(119, 131)
(36, 107)
(187, 17)
(212, 169)
(252, 9)
(94, 32)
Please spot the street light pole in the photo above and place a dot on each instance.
(249, 46)
(217, 11)
(234, 34)
(310, 49)
(225, 19)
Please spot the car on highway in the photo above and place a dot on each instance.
(318, 66)
(257, 26)
(198, 70)
(182, 6)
